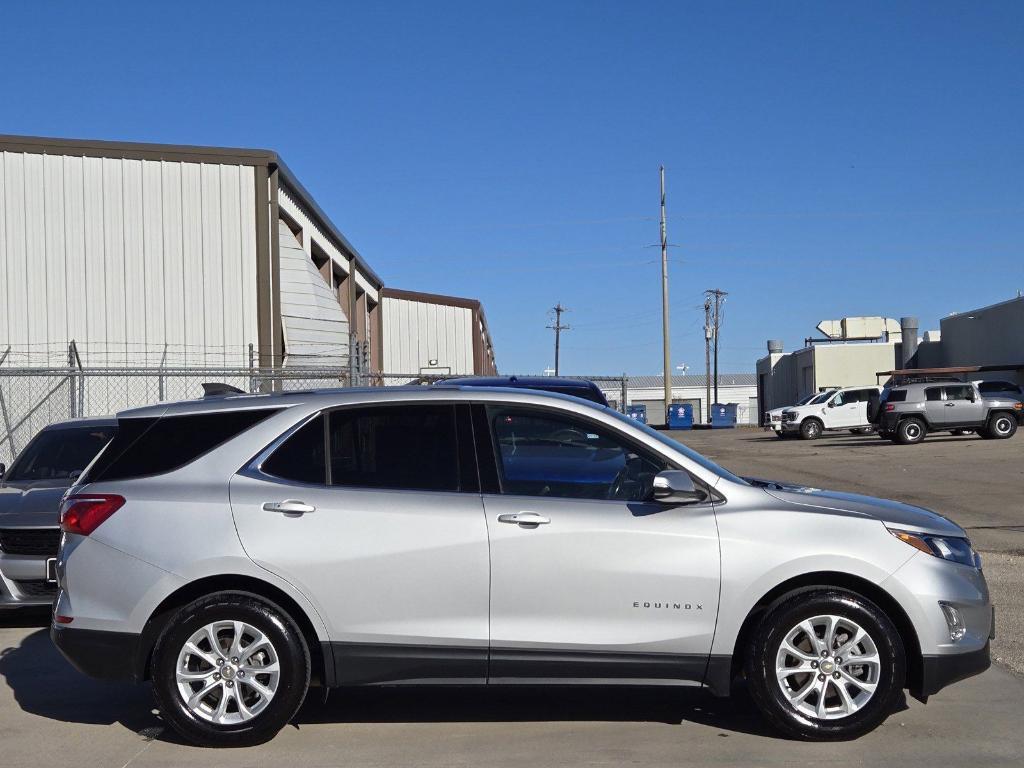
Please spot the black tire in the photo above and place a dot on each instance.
(811, 429)
(768, 694)
(286, 640)
(1001, 425)
(910, 431)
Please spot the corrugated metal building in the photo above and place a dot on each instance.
(738, 388)
(425, 333)
(188, 256)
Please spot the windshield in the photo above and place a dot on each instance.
(57, 453)
(821, 397)
(807, 398)
(675, 445)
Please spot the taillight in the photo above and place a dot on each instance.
(890, 407)
(83, 514)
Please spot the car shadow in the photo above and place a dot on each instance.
(46, 685)
(522, 704)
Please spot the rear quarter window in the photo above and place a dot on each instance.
(896, 396)
(153, 446)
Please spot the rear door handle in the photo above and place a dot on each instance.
(524, 518)
(288, 507)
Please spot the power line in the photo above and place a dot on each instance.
(558, 309)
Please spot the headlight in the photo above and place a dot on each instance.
(954, 548)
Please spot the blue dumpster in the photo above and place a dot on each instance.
(680, 416)
(638, 412)
(723, 415)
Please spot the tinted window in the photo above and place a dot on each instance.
(157, 445)
(895, 396)
(962, 392)
(56, 453)
(402, 447)
(863, 395)
(301, 456)
(933, 393)
(552, 455)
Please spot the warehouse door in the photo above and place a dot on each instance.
(655, 411)
(695, 402)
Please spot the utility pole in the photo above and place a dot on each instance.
(558, 309)
(664, 297)
(707, 355)
(719, 299)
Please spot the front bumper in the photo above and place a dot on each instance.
(937, 672)
(25, 581)
(98, 653)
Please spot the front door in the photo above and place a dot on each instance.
(963, 404)
(387, 538)
(844, 411)
(589, 579)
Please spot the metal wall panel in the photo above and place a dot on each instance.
(127, 256)
(416, 332)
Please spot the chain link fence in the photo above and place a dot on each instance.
(33, 396)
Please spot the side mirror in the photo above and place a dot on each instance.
(673, 486)
(3, 469)
(831, 403)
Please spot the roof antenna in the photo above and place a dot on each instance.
(217, 388)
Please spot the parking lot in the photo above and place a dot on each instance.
(49, 714)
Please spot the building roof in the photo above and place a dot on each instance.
(693, 380)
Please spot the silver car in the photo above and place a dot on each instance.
(30, 493)
(237, 550)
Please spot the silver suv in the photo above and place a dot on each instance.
(237, 550)
(907, 413)
(30, 494)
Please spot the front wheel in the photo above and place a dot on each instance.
(230, 670)
(811, 429)
(826, 664)
(1001, 426)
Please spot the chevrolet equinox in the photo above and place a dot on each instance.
(236, 550)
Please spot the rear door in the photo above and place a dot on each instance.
(936, 409)
(589, 580)
(387, 538)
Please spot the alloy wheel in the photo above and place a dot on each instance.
(1002, 425)
(227, 672)
(828, 667)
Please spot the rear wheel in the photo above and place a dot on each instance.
(827, 664)
(910, 431)
(811, 429)
(230, 669)
(1001, 426)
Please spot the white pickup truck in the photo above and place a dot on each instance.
(773, 418)
(840, 409)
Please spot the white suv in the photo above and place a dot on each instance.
(844, 409)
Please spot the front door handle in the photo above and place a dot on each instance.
(289, 507)
(949, 405)
(524, 518)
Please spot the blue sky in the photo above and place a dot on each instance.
(824, 159)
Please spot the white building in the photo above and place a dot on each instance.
(738, 388)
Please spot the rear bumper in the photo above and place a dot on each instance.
(937, 672)
(96, 653)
